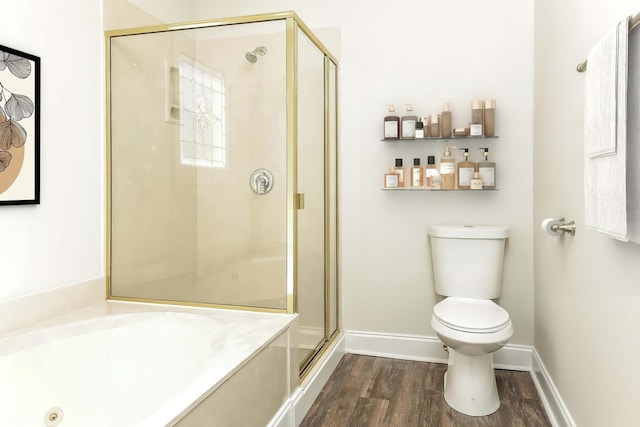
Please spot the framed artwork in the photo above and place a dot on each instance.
(19, 127)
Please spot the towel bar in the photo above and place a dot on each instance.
(635, 19)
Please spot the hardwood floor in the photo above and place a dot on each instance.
(373, 391)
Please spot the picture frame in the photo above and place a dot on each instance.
(19, 127)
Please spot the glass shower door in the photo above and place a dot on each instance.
(241, 203)
(311, 183)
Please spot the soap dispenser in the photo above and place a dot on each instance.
(487, 171)
(391, 125)
(448, 170)
(409, 124)
(465, 171)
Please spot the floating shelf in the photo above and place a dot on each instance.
(437, 139)
(435, 191)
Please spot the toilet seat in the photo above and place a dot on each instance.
(471, 315)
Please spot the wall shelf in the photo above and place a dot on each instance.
(437, 139)
(435, 191)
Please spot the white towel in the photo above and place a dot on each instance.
(606, 135)
(601, 98)
(633, 138)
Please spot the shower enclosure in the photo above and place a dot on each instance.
(222, 169)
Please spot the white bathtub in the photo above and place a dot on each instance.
(125, 364)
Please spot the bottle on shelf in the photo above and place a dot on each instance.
(419, 129)
(434, 126)
(408, 124)
(477, 117)
(416, 173)
(489, 117)
(391, 179)
(476, 111)
(391, 125)
(429, 171)
(476, 182)
(399, 169)
(426, 124)
(466, 169)
(448, 170)
(445, 124)
(436, 181)
(487, 171)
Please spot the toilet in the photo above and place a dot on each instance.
(467, 271)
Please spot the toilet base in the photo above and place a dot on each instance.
(470, 384)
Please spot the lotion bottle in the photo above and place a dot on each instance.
(448, 170)
(445, 124)
(487, 171)
(391, 125)
(434, 126)
(489, 117)
(465, 171)
(477, 118)
(409, 124)
(416, 173)
(476, 111)
(425, 125)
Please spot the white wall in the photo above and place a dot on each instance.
(59, 241)
(587, 293)
(422, 53)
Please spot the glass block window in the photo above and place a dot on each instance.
(202, 101)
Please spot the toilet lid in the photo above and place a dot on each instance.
(471, 315)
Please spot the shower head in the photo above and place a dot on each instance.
(253, 55)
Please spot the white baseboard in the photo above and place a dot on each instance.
(428, 349)
(553, 404)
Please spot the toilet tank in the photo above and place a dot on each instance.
(467, 260)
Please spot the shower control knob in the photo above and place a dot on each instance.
(261, 181)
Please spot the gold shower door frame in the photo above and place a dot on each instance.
(295, 201)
